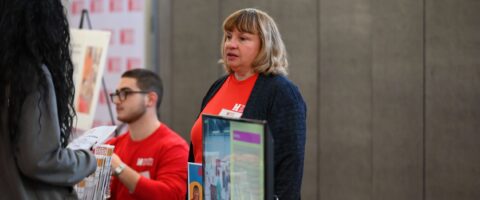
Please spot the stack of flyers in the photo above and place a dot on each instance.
(96, 186)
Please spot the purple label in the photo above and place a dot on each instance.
(246, 137)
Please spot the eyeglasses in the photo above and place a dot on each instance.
(123, 94)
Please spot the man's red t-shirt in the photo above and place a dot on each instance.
(161, 160)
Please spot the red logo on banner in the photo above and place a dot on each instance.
(115, 5)
(135, 5)
(114, 65)
(77, 6)
(96, 6)
(126, 36)
(133, 63)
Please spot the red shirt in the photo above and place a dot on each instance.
(230, 100)
(161, 159)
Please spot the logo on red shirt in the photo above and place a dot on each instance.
(145, 162)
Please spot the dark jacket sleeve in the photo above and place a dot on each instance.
(287, 122)
(276, 99)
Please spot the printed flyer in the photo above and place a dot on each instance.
(195, 185)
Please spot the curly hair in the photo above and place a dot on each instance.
(35, 33)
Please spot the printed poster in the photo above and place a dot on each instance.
(89, 53)
(128, 22)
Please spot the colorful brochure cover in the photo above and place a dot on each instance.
(195, 184)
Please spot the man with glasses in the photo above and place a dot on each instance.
(149, 160)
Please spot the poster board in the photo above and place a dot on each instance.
(89, 53)
(237, 159)
(131, 42)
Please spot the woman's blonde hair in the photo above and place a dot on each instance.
(272, 56)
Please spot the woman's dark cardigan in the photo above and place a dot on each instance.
(277, 100)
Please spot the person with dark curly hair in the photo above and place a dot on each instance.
(36, 104)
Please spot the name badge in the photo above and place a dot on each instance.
(230, 113)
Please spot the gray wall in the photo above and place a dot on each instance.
(392, 87)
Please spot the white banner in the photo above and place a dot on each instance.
(89, 52)
(125, 20)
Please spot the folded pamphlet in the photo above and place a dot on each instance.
(95, 136)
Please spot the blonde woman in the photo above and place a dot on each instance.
(256, 87)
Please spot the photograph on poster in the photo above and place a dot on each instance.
(88, 78)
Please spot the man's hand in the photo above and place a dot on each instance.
(116, 161)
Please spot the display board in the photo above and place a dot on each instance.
(89, 53)
(237, 159)
(127, 21)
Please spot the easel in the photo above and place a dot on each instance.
(104, 86)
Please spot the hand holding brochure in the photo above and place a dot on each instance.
(92, 137)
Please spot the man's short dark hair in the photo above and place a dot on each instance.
(147, 81)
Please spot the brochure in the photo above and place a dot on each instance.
(195, 184)
(92, 137)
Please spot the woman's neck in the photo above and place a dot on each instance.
(243, 75)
